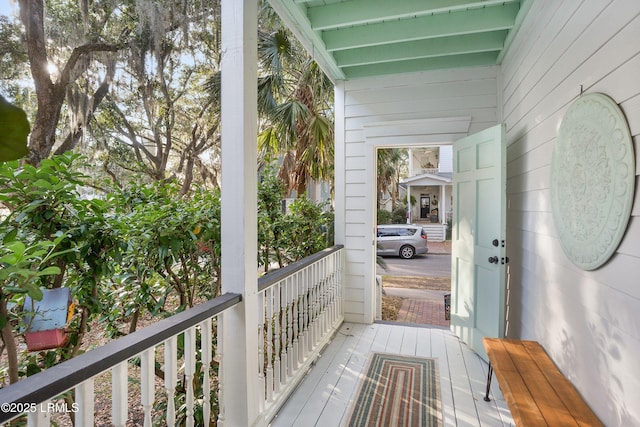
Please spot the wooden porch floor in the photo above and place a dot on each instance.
(324, 397)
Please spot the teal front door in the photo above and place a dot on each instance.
(478, 237)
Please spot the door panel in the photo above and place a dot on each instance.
(479, 230)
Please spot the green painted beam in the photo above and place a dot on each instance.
(450, 24)
(358, 12)
(417, 65)
(455, 45)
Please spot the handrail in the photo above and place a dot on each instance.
(60, 378)
(277, 275)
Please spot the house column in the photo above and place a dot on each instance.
(240, 389)
(442, 205)
(409, 203)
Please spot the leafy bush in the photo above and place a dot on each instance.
(384, 216)
(399, 215)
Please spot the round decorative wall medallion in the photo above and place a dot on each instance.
(592, 180)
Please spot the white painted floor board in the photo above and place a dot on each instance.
(325, 395)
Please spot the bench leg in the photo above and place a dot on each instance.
(486, 396)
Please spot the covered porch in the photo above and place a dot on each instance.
(326, 395)
(533, 59)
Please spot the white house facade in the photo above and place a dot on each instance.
(587, 320)
(497, 80)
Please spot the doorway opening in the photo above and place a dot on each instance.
(416, 289)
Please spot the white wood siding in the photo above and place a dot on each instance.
(589, 322)
(451, 93)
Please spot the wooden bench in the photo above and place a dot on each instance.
(534, 388)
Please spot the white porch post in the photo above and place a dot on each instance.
(239, 217)
(441, 205)
(409, 204)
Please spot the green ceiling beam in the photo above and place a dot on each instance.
(450, 24)
(443, 62)
(455, 45)
(357, 12)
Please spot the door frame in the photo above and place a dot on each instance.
(398, 134)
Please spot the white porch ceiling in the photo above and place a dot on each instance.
(361, 38)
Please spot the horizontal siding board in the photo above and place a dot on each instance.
(622, 84)
(534, 201)
(631, 109)
(417, 79)
(534, 179)
(630, 244)
(546, 49)
(537, 158)
(529, 46)
(426, 106)
(356, 176)
(357, 229)
(354, 216)
(356, 189)
(521, 143)
(427, 92)
(355, 162)
(354, 136)
(357, 203)
(583, 64)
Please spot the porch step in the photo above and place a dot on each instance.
(435, 232)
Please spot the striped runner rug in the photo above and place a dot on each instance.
(398, 391)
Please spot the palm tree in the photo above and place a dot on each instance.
(392, 162)
(295, 102)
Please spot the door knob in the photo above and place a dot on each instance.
(493, 259)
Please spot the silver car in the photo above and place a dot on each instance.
(404, 240)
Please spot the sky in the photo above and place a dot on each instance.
(7, 7)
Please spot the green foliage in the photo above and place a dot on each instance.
(142, 250)
(399, 215)
(384, 216)
(307, 227)
(285, 237)
(172, 251)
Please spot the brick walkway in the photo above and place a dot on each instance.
(426, 311)
(422, 311)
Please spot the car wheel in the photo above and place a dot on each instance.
(407, 252)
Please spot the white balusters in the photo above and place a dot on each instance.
(289, 316)
(85, 397)
(268, 297)
(276, 338)
(119, 396)
(147, 384)
(170, 377)
(189, 371)
(41, 417)
(302, 353)
(283, 334)
(293, 284)
(218, 359)
(206, 343)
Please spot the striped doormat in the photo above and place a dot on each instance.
(398, 391)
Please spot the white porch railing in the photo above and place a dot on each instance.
(300, 308)
(38, 396)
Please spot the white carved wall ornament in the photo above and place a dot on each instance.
(592, 180)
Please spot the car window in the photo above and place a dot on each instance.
(407, 231)
(387, 232)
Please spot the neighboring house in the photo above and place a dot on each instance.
(429, 183)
